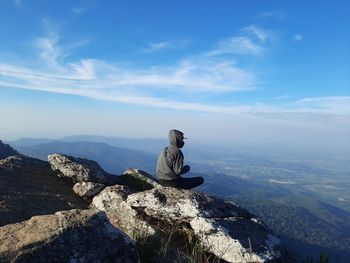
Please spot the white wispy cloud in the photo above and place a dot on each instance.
(330, 104)
(85, 79)
(195, 76)
(200, 74)
(155, 47)
(18, 2)
(262, 34)
(237, 45)
(166, 45)
(84, 7)
(49, 51)
(273, 14)
(190, 77)
(333, 111)
(298, 37)
(251, 40)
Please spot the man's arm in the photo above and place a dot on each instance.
(185, 169)
(178, 166)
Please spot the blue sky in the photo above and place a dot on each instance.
(241, 71)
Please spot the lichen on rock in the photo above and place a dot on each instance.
(112, 200)
(81, 170)
(87, 190)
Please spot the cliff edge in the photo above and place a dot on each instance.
(133, 205)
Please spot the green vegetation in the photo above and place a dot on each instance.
(306, 202)
(308, 232)
(135, 182)
(176, 245)
(322, 259)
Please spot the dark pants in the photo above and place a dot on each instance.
(183, 183)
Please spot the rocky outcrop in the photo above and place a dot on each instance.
(112, 200)
(134, 203)
(67, 236)
(26, 164)
(87, 190)
(6, 150)
(81, 170)
(223, 228)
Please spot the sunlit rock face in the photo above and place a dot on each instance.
(112, 200)
(66, 236)
(224, 228)
(81, 170)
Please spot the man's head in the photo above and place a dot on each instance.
(176, 138)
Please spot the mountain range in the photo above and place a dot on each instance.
(113, 159)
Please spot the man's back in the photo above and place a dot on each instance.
(170, 163)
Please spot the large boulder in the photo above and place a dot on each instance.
(223, 228)
(66, 236)
(81, 170)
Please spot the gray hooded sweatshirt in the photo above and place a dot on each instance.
(170, 162)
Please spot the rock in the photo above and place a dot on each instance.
(139, 180)
(27, 164)
(179, 204)
(81, 170)
(223, 228)
(29, 187)
(236, 239)
(6, 150)
(66, 236)
(121, 215)
(87, 190)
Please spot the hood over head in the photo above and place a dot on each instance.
(176, 138)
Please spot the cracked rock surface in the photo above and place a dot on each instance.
(224, 229)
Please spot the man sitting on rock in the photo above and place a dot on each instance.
(170, 164)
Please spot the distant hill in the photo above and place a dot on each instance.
(6, 150)
(146, 145)
(25, 142)
(112, 159)
(154, 146)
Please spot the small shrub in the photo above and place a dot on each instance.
(133, 180)
(322, 259)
